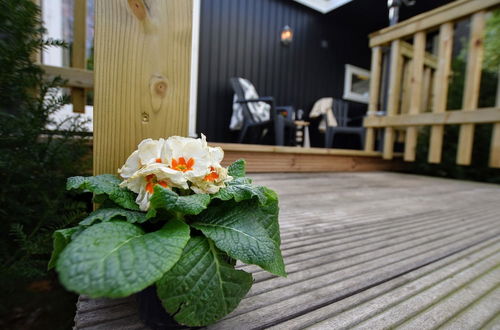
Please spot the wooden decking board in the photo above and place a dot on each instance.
(406, 249)
(323, 256)
(302, 289)
(361, 247)
(485, 307)
(410, 312)
(353, 310)
(349, 247)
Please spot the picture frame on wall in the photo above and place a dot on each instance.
(356, 84)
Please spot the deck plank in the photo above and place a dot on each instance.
(368, 250)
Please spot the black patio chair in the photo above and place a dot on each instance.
(280, 116)
(341, 113)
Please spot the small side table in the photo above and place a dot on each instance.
(302, 133)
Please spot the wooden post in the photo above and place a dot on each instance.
(376, 69)
(495, 146)
(78, 98)
(393, 102)
(441, 89)
(416, 91)
(142, 73)
(471, 88)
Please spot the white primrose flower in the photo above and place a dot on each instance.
(144, 180)
(149, 151)
(187, 155)
(172, 163)
(216, 178)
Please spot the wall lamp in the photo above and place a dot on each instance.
(286, 35)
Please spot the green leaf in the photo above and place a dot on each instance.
(114, 213)
(104, 184)
(241, 230)
(169, 200)
(115, 259)
(202, 288)
(237, 169)
(61, 238)
(268, 215)
(240, 190)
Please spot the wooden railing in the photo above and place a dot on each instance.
(77, 77)
(418, 82)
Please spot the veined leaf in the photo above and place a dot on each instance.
(104, 184)
(202, 287)
(241, 190)
(268, 217)
(243, 230)
(237, 169)
(61, 238)
(113, 213)
(169, 200)
(115, 259)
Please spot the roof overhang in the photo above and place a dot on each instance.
(323, 6)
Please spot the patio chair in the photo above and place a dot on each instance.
(341, 113)
(280, 117)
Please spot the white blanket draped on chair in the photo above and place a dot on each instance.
(260, 111)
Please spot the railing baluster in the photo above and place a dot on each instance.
(495, 147)
(416, 93)
(441, 89)
(78, 51)
(396, 68)
(376, 69)
(471, 88)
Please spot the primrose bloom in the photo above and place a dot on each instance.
(177, 162)
(187, 155)
(217, 176)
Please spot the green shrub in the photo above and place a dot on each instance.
(34, 163)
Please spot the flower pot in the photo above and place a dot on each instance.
(152, 313)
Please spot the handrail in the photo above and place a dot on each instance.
(431, 19)
(413, 70)
(74, 77)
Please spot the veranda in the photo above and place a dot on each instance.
(369, 250)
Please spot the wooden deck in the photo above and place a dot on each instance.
(368, 250)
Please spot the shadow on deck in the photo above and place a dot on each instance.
(369, 250)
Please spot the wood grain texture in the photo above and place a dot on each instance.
(416, 86)
(355, 260)
(471, 86)
(495, 147)
(373, 106)
(78, 51)
(482, 116)
(74, 77)
(430, 19)
(396, 68)
(142, 72)
(441, 89)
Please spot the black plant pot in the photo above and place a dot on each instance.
(152, 313)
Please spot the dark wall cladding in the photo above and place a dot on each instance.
(242, 38)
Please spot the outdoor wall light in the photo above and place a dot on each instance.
(286, 35)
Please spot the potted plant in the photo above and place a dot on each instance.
(177, 221)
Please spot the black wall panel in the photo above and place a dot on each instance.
(242, 38)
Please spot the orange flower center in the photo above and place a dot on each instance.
(152, 181)
(158, 160)
(182, 165)
(212, 176)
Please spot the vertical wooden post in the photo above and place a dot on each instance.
(78, 51)
(416, 93)
(142, 73)
(441, 89)
(376, 69)
(393, 99)
(471, 88)
(495, 146)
